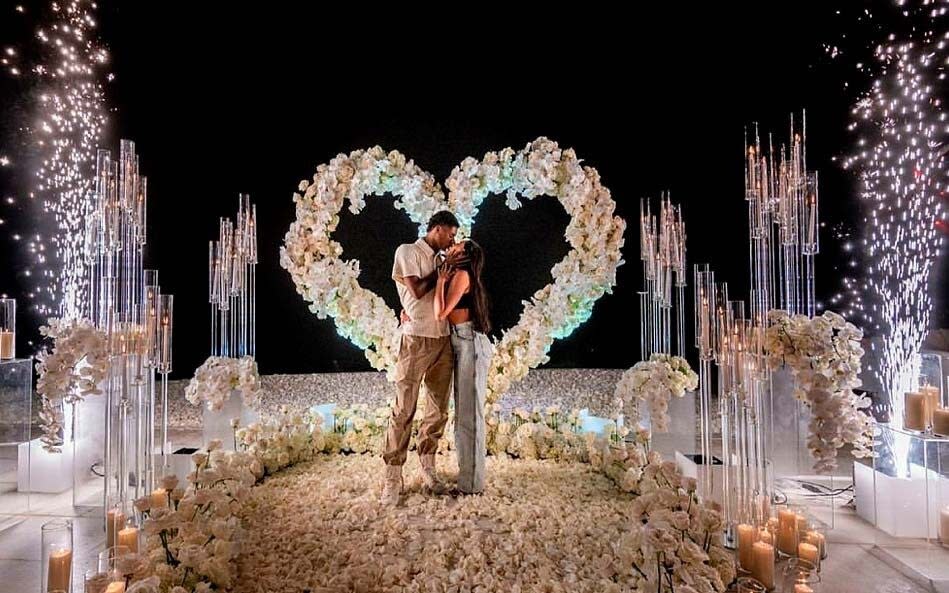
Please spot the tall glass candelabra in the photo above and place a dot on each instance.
(783, 240)
(232, 284)
(782, 223)
(123, 303)
(662, 251)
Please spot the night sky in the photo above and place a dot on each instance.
(222, 99)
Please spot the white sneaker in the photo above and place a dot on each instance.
(429, 476)
(392, 487)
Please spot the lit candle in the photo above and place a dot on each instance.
(810, 553)
(941, 421)
(746, 537)
(763, 564)
(115, 519)
(914, 411)
(159, 498)
(59, 570)
(802, 588)
(6, 345)
(944, 525)
(931, 394)
(765, 536)
(128, 537)
(801, 524)
(116, 587)
(165, 341)
(817, 538)
(787, 532)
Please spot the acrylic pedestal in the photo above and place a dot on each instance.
(217, 424)
(903, 493)
(16, 416)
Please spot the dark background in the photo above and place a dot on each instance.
(222, 99)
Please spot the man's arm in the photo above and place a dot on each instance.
(421, 286)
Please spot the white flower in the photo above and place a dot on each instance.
(169, 482)
(823, 354)
(218, 377)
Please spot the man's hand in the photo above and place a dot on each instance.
(404, 317)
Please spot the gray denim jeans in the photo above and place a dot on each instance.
(472, 351)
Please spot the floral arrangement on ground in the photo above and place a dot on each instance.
(610, 516)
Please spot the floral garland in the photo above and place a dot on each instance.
(823, 354)
(311, 256)
(219, 376)
(193, 538)
(655, 382)
(586, 273)
(69, 372)
(330, 284)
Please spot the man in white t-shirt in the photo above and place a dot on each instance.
(424, 355)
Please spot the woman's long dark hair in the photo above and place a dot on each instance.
(474, 263)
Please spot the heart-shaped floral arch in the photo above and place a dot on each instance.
(331, 284)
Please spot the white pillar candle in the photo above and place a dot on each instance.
(746, 538)
(6, 345)
(115, 520)
(765, 536)
(914, 411)
(787, 532)
(159, 498)
(941, 421)
(763, 570)
(59, 570)
(802, 588)
(128, 537)
(818, 539)
(809, 552)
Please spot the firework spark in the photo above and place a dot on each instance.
(67, 67)
(901, 129)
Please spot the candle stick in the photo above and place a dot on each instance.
(941, 421)
(818, 539)
(809, 552)
(746, 537)
(787, 532)
(59, 571)
(914, 411)
(159, 498)
(763, 564)
(115, 519)
(6, 345)
(128, 537)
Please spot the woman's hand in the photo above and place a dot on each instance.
(445, 272)
(404, 317)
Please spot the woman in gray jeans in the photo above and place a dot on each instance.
(461, 299)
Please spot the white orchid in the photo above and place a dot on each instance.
(654, 382)
(823, 354)
(219, 376)
(69, 372)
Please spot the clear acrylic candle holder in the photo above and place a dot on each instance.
(750, 585)
(816, 535)
(95, 581)
(800, 576)
(56, 556)
(7, 329)
(107, 559)
(165, 325)
(130, 536)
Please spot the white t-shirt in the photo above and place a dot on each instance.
(417, 259)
